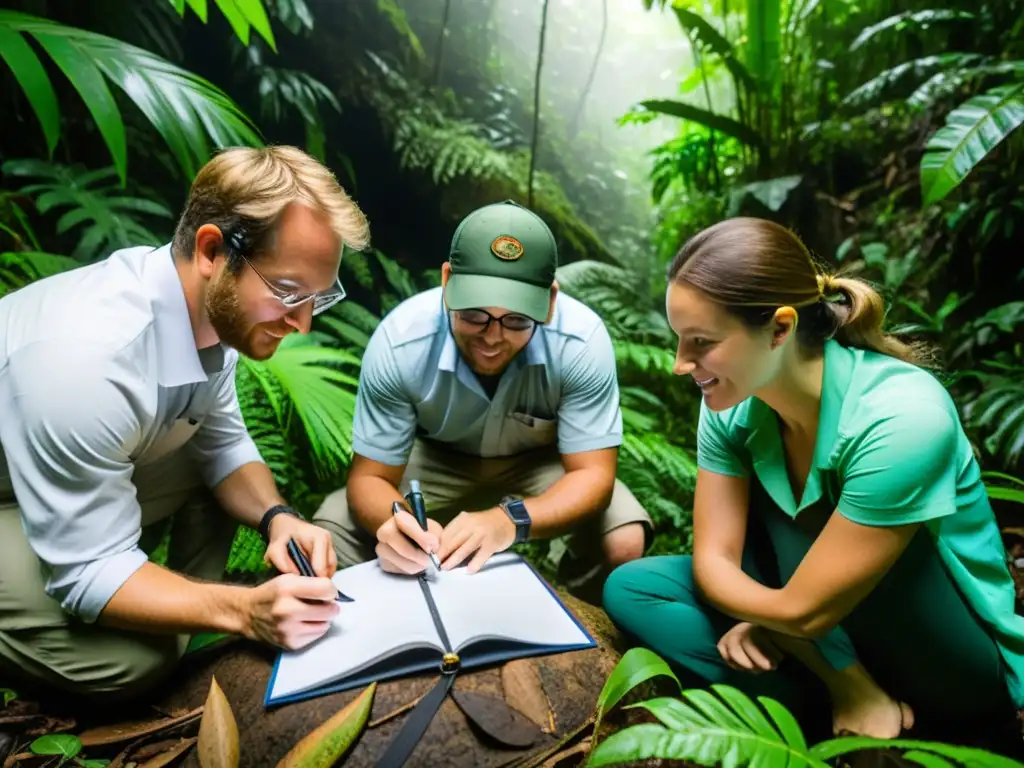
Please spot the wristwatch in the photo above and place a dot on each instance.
(516, 509)
(270, 514)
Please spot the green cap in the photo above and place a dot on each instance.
(502, 255)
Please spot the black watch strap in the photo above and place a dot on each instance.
(270, 514)
(516, 510)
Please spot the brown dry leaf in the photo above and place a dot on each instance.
(524, 691)
(115, 734)
(166, 758)
(556, 760)
(497, 719)
(324, 746)
(218, 731)
(49, 725)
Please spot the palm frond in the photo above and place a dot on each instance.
(184, 108)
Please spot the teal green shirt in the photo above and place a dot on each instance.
(891, 445)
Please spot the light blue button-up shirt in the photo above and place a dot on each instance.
(99, 374)
(562, 388)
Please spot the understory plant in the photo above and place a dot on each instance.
(723, 726)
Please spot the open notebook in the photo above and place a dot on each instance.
(504, 611)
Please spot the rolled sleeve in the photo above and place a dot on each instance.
(589, 416)
(902, 469)
(384, 422)
(68, 442)
(222, 443)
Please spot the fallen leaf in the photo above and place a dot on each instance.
(497, 719)
(578, 749)
(324, 746)
(218, 731)
(169, 756)
(115, 734)
(537, 759)
(524, 691)
(15, 760)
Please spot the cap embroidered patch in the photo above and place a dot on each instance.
(507, 247)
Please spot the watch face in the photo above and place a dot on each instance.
(517, 511)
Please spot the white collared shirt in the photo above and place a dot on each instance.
(561, 389)
(99, 373)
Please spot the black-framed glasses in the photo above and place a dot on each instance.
(481, 320)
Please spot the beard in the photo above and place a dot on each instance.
(230, 323)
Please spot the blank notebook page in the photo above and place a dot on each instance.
(505, 600)
(389, 612)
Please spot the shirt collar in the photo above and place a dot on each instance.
(765, 444)
(178, 360)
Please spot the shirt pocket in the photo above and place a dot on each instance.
(525, 432)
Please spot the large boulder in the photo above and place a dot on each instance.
(571, 682)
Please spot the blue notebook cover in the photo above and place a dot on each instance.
(419, 660)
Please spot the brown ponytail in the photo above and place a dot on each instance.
(861, 319)
(754, 266)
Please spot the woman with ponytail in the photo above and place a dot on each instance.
(846, 560)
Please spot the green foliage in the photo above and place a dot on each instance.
(242, 15)
(93, 202)
(18, 269)
(972, 131)
(723, 726)
(184, 108)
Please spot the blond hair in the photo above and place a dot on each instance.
(754, 266)
(247, 188)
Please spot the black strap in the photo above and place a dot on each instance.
(409, 736)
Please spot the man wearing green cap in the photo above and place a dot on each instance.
(498, 394)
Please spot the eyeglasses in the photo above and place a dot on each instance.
(322, 301)
(481, 319)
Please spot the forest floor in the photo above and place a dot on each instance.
(163, 738)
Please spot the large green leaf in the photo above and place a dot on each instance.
(322, 395)
(972, 130)
(720, 123)
(636, 666)
(242, 15)
(764, 44)
(32, 78)
(909, 20)
(184, 108)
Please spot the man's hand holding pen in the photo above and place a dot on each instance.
(403, 544)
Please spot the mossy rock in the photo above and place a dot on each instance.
(571, 681)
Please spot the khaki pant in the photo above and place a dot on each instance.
(453, 482)
(41, 645)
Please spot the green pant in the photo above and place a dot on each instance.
(914, 634)
(41, 646)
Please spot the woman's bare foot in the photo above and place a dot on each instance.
(875, 714)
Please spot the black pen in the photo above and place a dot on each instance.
(299, 558)
(419, 511)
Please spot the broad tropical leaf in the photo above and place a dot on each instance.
(242, 15)
(636, 666)
(909, 19)
(873, 90)
(309, 382)
(184, 108)
(976, 758)
(94, 201)
(972, 130)
(764, 45)
(720, 123)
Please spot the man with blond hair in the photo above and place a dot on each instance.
(119, 411)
